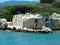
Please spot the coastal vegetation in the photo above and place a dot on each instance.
(45, 1)
(56, 4)
(9, 11)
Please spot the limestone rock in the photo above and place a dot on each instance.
(56, 18)
(3, 23)
(27, 20)
(46, 29)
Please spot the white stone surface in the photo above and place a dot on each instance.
(56, 18)
(3, 23)
(46, 29)
(27, 20)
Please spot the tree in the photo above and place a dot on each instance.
(10, 11)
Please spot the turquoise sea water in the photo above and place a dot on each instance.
(18, 38)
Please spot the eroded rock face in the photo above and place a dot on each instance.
(36, 21)
(27, 20)
(56, 19)
(50, 23)
(3, 23)
(55, 16)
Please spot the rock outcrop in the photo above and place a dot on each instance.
(3, 23)
(46, 29)
(56, 19)
(35, 21)
(27, 20)
(49, 22)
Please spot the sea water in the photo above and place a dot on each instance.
(19, 38)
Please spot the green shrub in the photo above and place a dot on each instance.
(46, 1)
(8, 13)
(48, 10)
(11, 10)
(57, 5)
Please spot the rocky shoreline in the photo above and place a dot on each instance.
(31, 23)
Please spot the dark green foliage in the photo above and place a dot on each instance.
(46, 1)
(22, 8)
(56, 5)
(11, 10)
(47, 10)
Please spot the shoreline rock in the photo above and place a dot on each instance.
(3, 24)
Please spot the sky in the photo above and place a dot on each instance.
(17, 0)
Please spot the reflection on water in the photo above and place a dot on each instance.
(18, 38)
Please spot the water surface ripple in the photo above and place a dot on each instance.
(18, 38)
